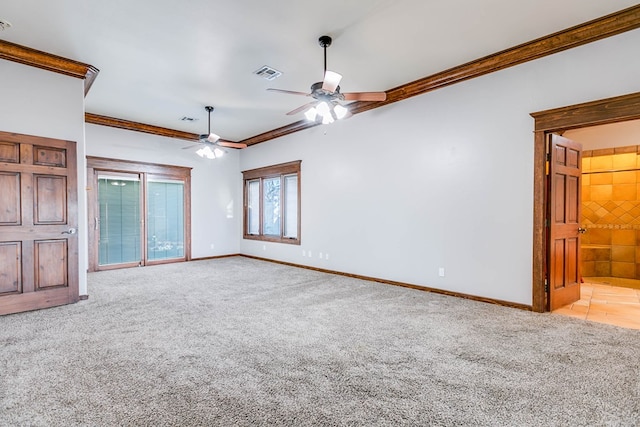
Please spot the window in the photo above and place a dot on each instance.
(272, 203)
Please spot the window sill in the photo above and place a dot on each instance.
(272, 239)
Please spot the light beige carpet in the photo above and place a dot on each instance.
(240, 342)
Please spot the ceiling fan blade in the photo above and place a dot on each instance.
(331, 81)
(290, 92)
(232, 144)
(348, 115)
(301, 108)
(365, 96)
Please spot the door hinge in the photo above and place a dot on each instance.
(548, 157)
(546, 285)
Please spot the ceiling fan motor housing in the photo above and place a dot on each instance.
(324, 95)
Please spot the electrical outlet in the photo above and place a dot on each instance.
(212, 246)
(441, 272)
(320, 255)
(326, 256)
(310, 254)
(304, 253)
(264, 247)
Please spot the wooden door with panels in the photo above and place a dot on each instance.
(563, 265)
(38, 223)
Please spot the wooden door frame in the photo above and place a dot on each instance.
(605, 111)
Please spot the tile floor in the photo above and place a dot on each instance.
(603, 302)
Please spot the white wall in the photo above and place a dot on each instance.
(621, 134)
(444, 179)
(216, 203)
(43, 103)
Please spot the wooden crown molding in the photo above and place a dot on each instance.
(282, 131)
(113, 122)
(47, 61)
(96, 119)
(597, 29)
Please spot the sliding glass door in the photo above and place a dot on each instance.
(165, 219)
(139, 214)
(119, 239)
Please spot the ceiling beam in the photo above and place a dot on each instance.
(47, 61)
(597, 29)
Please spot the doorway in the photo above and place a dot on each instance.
(611, 110)
(610, 254)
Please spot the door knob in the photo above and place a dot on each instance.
(69, 231)
(581, 230)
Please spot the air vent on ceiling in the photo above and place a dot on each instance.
(268, 73)
(188, 119)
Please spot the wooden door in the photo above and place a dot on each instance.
(38, 223)
(565, 168)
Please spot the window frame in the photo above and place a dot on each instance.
(260, 174)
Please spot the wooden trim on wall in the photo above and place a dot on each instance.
(539, 300)
(281, 131)
(47, 61)
(273, 170)
(96, 119)
(610, 110)
(106, 164)
(113, 122)
(597, 29)
(401, 284)
(214, 257)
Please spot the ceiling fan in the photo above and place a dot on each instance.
(327, 96)
(212, 143)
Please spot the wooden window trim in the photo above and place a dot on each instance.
(280, 170)
(97, 165)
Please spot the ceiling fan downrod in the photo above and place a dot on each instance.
(325, 42)
(209, 110)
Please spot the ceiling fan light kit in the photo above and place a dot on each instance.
(326, 107)
(207, 152)
(212, 145)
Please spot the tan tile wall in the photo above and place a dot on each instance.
(611, 212)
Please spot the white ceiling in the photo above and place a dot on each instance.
(160, 60)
